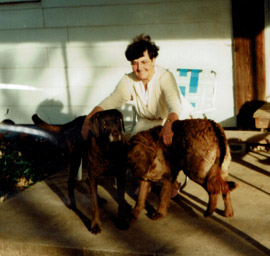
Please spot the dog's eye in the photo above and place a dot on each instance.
(105, 122)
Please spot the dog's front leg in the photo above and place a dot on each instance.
(121, 184)
(124, 208)
(95, 222)
(140, 204)
(75, 160)
(212, 204)
(165, 197)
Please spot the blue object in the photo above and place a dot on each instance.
(183, 72)
(183, 90)
(194, 80)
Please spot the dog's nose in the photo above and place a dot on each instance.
(115, 136)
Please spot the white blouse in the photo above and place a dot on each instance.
(161, 97)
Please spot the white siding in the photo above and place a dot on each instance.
(71, 53)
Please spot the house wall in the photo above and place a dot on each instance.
(61, 58)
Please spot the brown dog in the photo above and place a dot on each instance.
(105, 153)
(148, 164)
(199, 148)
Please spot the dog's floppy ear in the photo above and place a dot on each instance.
(120, 114)
(93, 124)
(122, 120)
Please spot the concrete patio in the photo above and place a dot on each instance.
(38, 222)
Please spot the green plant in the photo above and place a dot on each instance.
(14, 167)
(25, 160)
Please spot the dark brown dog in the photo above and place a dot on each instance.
(199, 148)
(105, 151)
(148, 164)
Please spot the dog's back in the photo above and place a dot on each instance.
(200, 135)
(66, 133)
(198, 145)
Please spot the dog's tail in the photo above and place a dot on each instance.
(216, 185)
(43, 125)
(223, 143)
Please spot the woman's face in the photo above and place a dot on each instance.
(144, 67)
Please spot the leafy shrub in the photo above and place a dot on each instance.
(25, 160)
(14, 167)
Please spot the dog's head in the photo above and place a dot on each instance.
(140, 159)
(142, 152)
(108, 125)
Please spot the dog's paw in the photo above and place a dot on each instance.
(95, 229)
(228, 213)
(157, 216)
(135, 214)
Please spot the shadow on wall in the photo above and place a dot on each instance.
(51, 111)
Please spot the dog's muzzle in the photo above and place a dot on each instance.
(115, 137)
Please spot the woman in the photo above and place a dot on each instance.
(153, 90)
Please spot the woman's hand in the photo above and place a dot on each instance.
(85, 127)
(166, 131)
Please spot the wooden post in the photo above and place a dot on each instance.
(249, 51)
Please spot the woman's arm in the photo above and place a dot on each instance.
(120, 95)
(85, 127)
(173, 101)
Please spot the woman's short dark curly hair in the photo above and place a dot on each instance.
(139, 45)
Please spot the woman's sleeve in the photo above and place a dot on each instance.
(120, 95)
(172, 93)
